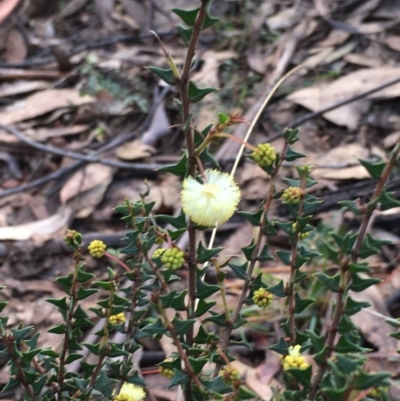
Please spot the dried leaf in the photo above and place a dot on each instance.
(134, 150)
(6, 7)
(324, 95)
(20, 87)
(15, 46)
(41, 103)
(86, 188)
(42, 229)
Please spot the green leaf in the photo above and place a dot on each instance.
(83, 294)
(253, 218)
(93, 348)
(83, 276)
(317, 341)
(345, 325)
(301, 304)
(387, 201)
(179, 378)
(245, 394)
(302, 376)
(82, 319)
(178, 222)
(198, 364)
(218, 318)
(60, 329)
(187, 16)
(353, 307)
(344, 346)
(346, 365)
(179, 169)
(174, 299)
(333, 394)
(359, 267)
(203, 307)
(186, 33)
(363, 380)
(359, 284)
(196, 94)
(207, 157)
(65, 282)
(239, 270)
(87, 368)
(284, 256)
(11, 385)
(223, 118)
(209, 20)
(165, 74)
(182, 326)
(21, 333)
(105, 285)
(292, 155)
(136, 379)
(374, 169)
(73, 357)
(204, 290)
(155, 328)
(60, 303)
(290, 135)
(277, 290)
(248, 250)
(104, 384)
(117, 350)
(217, 385)
(331, 282)
(352, 206)
(3, 304)
(265, 254)
(38, 385)
(280, 348)
(371, 246)
(205, 255)
(202, 336)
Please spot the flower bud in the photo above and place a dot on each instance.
(172, 258)
(292, 195)
(264, 155)
(262, 298)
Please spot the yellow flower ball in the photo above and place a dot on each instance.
(97, 248)
(213, 202)
(130, 392)
(294, 359)
(117, 319)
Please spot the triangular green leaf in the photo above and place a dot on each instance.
(196, 94)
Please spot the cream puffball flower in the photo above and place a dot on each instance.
(130, 392)
(213, 202)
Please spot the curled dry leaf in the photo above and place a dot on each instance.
(339, 158)
(41, 103)
(134, 150)
(40, 230)
(86, 188)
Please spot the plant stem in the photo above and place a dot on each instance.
(345, 274)
(189, 135)
(171, 328)
(249, 273)
(13, 352)
(293, 258)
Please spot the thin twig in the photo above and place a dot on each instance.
(73, 167)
